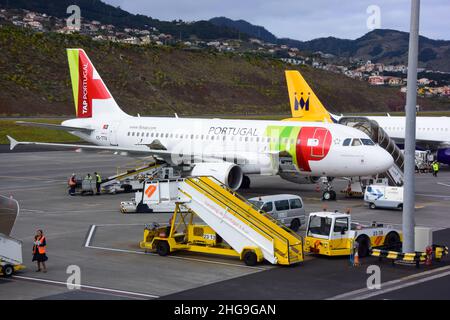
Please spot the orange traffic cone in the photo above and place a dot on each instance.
(356, 259)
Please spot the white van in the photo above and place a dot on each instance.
(286, 208)
(383, 196)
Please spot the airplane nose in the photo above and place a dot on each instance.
(383, 160)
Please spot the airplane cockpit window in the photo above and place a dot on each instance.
(347, 142)
(356, 142)
(367, 142)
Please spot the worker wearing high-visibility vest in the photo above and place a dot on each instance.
(98, 181)
(435, 168)
(39, 251)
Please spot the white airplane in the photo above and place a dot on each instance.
(431, 132)
(229, 150)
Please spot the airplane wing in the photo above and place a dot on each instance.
(53, 126)
(148, 151)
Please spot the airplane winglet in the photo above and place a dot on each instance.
(13, 142)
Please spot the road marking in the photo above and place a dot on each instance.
(178, 257)
(444, 184)
(396, 285)
(433, 195)
(87, 244)
(91, 232)
(82, 286)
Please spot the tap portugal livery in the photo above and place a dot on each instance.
(431, 132)
(225, 149)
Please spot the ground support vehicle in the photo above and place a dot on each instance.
(10, 255)
(230, 225)
(334, 234)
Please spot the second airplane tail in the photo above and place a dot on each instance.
(305, 106)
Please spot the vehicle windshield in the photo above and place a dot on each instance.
(319, 226)
(256, 203)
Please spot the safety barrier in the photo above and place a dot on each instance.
(436, 253)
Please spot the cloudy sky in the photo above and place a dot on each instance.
(300, 19)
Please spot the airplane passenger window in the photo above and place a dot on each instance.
(347, 142)
(167, 135)
(147, 134)
(367, 142)
(128, 133)
(137, 134)
(246, 139)
(356, 142)
(192, 136)
(132, 134)
(257, 139)
(181, 136)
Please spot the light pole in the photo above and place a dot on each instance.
(410, 131)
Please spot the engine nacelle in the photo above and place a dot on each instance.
(443, 155)
(228, 173)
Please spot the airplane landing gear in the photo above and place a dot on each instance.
(328, 194)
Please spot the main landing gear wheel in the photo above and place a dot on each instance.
(245, 182)
(329, 195)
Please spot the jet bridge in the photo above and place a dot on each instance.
(379, 136)
(234, 227)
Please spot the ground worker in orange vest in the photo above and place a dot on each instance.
(39, 250)
(72, 184)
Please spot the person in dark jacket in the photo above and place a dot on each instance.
(39, 251)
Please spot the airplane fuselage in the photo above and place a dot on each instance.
(316, 149)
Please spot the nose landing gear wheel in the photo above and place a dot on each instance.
(329, 195)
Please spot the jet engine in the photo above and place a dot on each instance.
(228, 173)
(443, 155)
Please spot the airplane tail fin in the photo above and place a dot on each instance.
(305, 105)
(91, 96)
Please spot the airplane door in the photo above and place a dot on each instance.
(317, 142)
(113, 133)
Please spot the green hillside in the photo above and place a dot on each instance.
(34, 80)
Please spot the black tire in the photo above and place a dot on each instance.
(127, 188)
(326, 195)
(162, 248)
(333, 195)
(143, 208)
(400, 206)
(8, 270)
(372, 206)
(363, 247)
(250, 258)
(392, 241)
(295, 225)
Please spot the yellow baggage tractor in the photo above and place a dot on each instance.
(334, 234)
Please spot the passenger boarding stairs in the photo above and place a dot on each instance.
(379, 136)
(231, 216)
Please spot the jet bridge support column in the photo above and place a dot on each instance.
(410, 131)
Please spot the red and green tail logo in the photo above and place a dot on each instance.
(87, 85)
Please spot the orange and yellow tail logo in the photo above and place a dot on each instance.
(305, 106)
